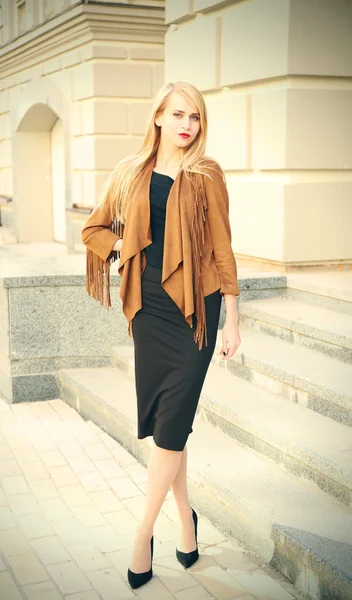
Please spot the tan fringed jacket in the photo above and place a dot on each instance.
(184, 223)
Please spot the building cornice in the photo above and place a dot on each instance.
(84, 22)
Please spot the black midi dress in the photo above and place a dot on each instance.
(169, 367)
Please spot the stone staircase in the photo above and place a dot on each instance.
(270, 458)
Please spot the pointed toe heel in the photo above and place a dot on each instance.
(136, 580)
(187, 559)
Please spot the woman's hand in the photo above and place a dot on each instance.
(230, 340)
(118, 245)
(230, 334)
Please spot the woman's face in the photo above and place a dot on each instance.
(179, 122)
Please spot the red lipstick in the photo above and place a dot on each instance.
(185, 136)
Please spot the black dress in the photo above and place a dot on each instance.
(169, 367)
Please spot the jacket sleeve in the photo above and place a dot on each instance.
(96, 234)
(220, 231)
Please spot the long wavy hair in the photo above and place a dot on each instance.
(124, 176)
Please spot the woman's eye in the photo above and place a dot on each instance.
(195, 117)
(177, 114)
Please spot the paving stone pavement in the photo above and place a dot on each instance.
(70, 499)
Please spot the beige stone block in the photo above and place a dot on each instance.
(5, 154)
(123, 521)
(124, 487)
(102, 51)
(84, 596)
(269, 129)
(325, 231)
(265, 201)
(5, 453)
(43, 489)
(93, 482)
(173, 575)
(194, 593)
(110, 469)
(3, 499)
(53, 458)
(110, 117)
(63, 476)
(23, 504)
(53, 509)
(70, 531)
(93, 184)
(80, 464)
(106, 501)
(69, 578)
(28, 569)
(88, 515)
(158, 78)
(34, 471)
(251, 31)
(82, 79)
(320, 38)
(8, 587)
(14, 485)
(106, 540)
(199, 5)
(74, 495)
(147, 52)
(87, 557)
(109, 151)
(34, 526)
(13, 542)
(75, 116)
(260, 583)
(83, 153)
(191, 52)
(138, 116)
(124, 80)
(228, 138)
(176, 9)
(50, 550)
(109, 585)
(218, 582)
(98, 452)
(68, 59)
(319, 130)
(42, 591)
(71, 448)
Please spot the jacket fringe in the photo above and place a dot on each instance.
(198, 236)
(98, 278)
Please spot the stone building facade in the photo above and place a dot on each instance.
(77, 82)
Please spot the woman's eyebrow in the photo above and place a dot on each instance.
(183, 112)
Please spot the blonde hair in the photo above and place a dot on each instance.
(122, 179)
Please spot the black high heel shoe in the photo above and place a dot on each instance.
(137, 579)
(187, 559)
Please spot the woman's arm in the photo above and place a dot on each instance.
(220, 231)
(96, 234)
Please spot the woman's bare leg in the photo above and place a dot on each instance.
(163, 467)
(186, 541)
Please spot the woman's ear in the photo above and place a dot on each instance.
(157, 123)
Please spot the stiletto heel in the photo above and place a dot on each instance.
(137, 579)
(187, 559)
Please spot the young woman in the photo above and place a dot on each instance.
(176, 264)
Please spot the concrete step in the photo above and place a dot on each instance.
(301, 323)
(327, 288)
(305, 443)
(321, 383)
(244, 493)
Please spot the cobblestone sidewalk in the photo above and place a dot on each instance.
(70, 497)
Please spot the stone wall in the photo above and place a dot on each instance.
(277, 77)
(93, 66)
